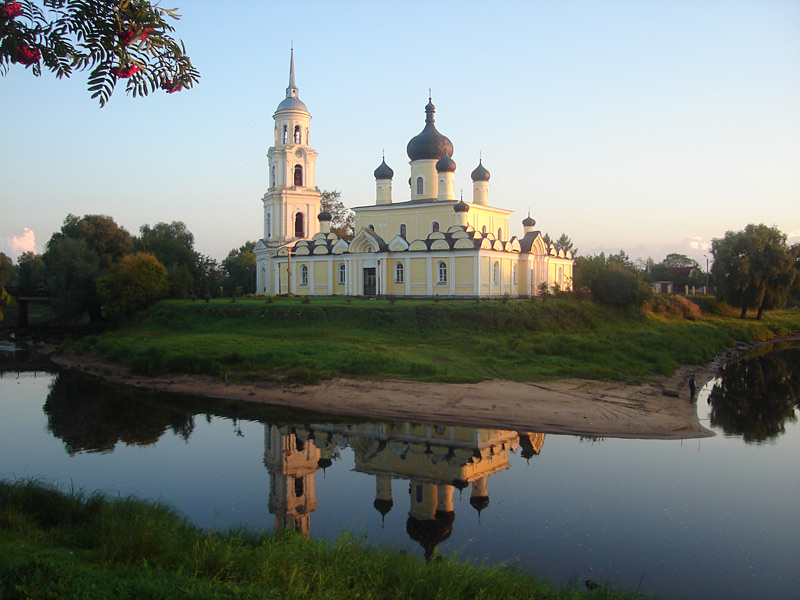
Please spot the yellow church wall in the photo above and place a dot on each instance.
(464, 275)
(419, 276)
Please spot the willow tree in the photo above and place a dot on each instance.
(753, 268)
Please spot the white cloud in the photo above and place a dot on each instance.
(23, 241)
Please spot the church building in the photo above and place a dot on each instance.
(430, 244)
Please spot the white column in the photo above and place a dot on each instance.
(430, 276)
(452, 275)
(407, 269)
(330, 276)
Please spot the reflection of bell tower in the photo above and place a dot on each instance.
(291, 463)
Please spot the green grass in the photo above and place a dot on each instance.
(68, 545)
(445, 341)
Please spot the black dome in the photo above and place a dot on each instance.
(445, 164)
(480, 173)
(429, 144)
(384, 171)
(461, 207)
(528, 222)
(325, 216)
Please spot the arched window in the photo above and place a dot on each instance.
(272, 177)
(514, 274)
(264, 278)
(342, 274)
(304, 275)
(298, 175)
(442, 272)
(371, 227)
(398, 273)
(403, 230)
(298, 487)
(483, 230)
(299, 226)
(496, 272)
(434, 226)
(499, 233)
(285, 134)
(420, 186)
(269, 226)
(442, 186)
(298, 137)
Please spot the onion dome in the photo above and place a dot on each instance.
(479, 502)
(325, 216)
(383, 506)
(461, 207)
(528, 222)
(480, 173)
(384, 171)
(324, 463)
(429, 144)
(445, 164)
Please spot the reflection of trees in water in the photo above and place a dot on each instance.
(754, 397)
(91, 415)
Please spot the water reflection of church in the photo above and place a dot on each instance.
(435, 459)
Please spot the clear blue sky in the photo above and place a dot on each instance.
(644, 126)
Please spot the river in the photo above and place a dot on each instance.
(694, 519)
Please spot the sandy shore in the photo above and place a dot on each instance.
(659, 409)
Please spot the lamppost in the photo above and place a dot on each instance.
(706, 256)
(378, 279)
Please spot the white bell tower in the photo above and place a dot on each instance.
(292, 203)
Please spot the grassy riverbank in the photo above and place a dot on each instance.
(424, 340)
(57, 545)
(447, 341)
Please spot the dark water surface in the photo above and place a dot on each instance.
(711, 518)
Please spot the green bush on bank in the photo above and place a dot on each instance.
(67, 545)
(444, 341)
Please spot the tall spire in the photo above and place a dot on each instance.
(291, 91)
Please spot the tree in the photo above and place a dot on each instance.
(565, 244)
(619, 286)
(31, 272)
(679, 261)
(240, 265)
(343, 223)
(115, 39)
(753, 268)
(173, 245)
(587, 269)
(84, 250)
(134, 283)
(7, 276)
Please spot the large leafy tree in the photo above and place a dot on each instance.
(31, 272)
(753, 268)
(134, 283)
(84, 250)
(173, 245)
(7, 278)
(343, 223)
(114, 39)
(240, 266)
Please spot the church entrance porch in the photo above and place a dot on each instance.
(370, 281)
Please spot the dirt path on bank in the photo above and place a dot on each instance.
(659, 409)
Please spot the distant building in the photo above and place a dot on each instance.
(432, 244)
